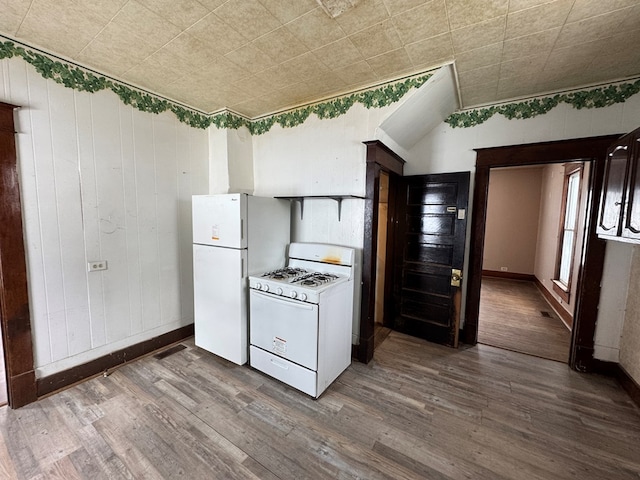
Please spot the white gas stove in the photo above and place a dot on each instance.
(297, 283)
(301, 317)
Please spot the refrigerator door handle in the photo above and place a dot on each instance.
(241, 229)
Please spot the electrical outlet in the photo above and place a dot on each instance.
(503, 269)
(97, 265)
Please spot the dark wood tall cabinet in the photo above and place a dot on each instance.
(619, 216)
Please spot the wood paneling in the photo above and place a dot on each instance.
(418, 410)
(102, 181)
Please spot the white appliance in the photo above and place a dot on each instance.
(234, 235)
(301, 317)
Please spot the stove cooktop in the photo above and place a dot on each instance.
(296, 283)
(300, 277)
(286, 273)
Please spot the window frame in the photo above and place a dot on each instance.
(559, 287)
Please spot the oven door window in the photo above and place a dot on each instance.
(284, 327)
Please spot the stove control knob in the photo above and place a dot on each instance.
(303, 296)
(258, 285)
(265, 288)
(279, 291)
(293, 294)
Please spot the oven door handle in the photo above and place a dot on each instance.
(285, 301)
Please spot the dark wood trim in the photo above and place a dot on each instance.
(476, 249)
(613, 369)
(60, 380)
(557, 151)
(585, 313)
(561, 290)
(628, 383)
(588, 292)
(557, 306)
(527, 277)
(15, 319)
(387, 159)
(379, 158)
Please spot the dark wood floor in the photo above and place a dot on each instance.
(418, 410)
(511, 317)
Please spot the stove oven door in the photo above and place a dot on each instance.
(284, 327)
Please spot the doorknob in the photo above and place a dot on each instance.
(456, 276)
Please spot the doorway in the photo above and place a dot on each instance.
(381, 330)
(529, 284)
(587, 294)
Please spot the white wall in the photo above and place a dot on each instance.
(630, 338)
(102, 181)
(513, 213)
(616, 283)
(321, 157)
(230, 160)
(448, 149)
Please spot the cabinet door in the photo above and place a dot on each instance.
(613, 192)
(632, 214)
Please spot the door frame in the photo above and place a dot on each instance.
(588, 293)
(15, 319)
(379, 158)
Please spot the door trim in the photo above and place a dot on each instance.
(15, 318)
(588, 295)
(379, 158)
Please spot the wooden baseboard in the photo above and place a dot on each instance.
(509, 275)
(629, 384)
(626, 381)
(567, 318)
(60, 380)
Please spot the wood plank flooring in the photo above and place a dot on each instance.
(511, 317)
(417, 411)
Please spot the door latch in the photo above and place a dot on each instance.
(456, 276)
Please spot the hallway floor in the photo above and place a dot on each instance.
(512, 316)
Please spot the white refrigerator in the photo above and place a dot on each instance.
(234, 235)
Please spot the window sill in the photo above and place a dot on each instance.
(562, 290)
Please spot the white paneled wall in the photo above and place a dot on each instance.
(102, 181)
(321, 157)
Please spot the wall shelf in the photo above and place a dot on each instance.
(337, 198)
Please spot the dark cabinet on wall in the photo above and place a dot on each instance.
(619, 217)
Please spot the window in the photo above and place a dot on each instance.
(568, 227)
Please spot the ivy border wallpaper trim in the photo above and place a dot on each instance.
(597, 97)
(78, 78)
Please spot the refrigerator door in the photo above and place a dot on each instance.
(220, 301)
(220, 220)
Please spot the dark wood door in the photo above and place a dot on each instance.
(431, 219)
(632, 214)
(613, 192)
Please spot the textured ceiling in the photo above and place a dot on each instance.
(261, 56)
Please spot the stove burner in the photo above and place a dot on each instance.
(284, 273)
(315, 279)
